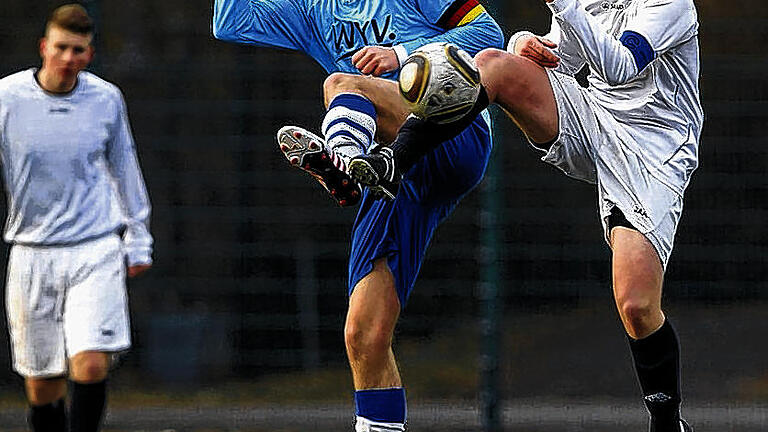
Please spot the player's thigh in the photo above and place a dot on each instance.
(373, 307)
(522, 89)
(638, 274)
(391, 110)
(34, 303)
(96, 309)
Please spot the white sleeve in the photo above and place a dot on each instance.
(567, 49)
(658, 26)
(124, 166)
(665, 23)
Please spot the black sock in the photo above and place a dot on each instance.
(87, 406)
(48, 418)
(418, 137)
(657, 362)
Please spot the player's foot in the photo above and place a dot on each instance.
(665, 414)
(307, 151)
(376, 171)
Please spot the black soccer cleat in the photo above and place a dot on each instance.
(307, 152)
(665, 414)
(377, 172)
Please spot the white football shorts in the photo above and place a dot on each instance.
(63, 300)
(591, 147)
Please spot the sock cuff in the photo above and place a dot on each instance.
(381, 405)
(355, 102)
(89, 389)
(658, 340)
(55, 405)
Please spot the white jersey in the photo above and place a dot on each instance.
(70, 167)
(659, 104)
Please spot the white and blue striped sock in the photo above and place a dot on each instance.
(349, 127)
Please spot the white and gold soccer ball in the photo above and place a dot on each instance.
(439, 82)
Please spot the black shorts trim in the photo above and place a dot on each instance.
(617, 219)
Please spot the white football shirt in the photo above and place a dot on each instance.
(659, 104)
(70, 167)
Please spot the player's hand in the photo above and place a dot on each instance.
(537, 49)
(375, 60)
(138, 269)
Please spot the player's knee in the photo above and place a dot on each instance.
(366, 339)
(489, 58)
(340, 82)
(89, 368)
(493, 64)
(637, 315)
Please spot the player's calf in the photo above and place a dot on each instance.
(46, 404)
(390, 109)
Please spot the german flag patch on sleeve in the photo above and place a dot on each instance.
(461, 12)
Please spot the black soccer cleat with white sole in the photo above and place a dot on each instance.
(377, 172)
(307, 152)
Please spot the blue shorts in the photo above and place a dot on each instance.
(400, 230)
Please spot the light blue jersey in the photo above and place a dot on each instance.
(331, 31)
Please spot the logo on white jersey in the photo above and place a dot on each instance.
(608, 5)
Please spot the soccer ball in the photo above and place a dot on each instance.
(439, 82)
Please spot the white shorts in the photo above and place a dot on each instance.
(63, 300)
(591, 147)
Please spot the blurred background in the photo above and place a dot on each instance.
(238, 326)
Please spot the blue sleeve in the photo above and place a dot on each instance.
(433, 10)
(481, 33)
(274, 23)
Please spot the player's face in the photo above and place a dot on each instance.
(65, 54)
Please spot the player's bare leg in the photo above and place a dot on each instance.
(46, 401)
(42, 391)
(637, 282)
(522, 89)
(89, 367)
(637, 285)
(520, 86)
(390, 108)
(88, 373)
(373, 312)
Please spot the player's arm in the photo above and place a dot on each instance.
(551, 50)
(466, 23)
(658, 26)
(274, 23)
(123, 165)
